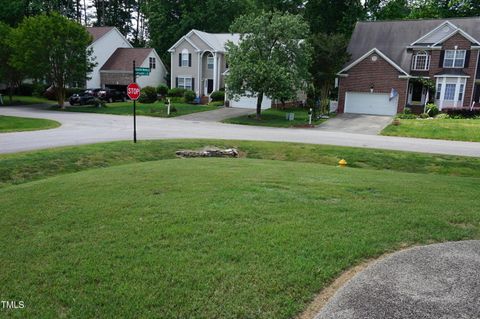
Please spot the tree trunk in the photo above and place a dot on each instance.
(61, 97)
(259, 105)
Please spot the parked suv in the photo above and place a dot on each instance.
(86, 97)
(111, 95)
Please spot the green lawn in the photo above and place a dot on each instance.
(275, 118)
(445, 129)
(17, 124)
(29, 166)
(212, 238)
(25, 100)
(157, 109)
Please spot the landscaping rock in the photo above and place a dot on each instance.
(209, 152)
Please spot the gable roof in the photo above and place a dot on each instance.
(98, 32)
(216, 41)
(393, 37)
(121, 59)
(383, 56)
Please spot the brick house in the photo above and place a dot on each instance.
(395, 64)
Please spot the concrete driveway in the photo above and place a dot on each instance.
(439, 281)
(87, 128)
(356, 123)
(216, 115)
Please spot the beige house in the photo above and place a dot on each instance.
(198, 61)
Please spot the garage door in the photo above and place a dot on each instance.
(370, 103)
(251, 102)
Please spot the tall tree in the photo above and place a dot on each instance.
(117, 13)
(169, 20)
(333, 16)
(8, 74)
(330, 55)
(54, 48)
(387, 9)
(270, 59)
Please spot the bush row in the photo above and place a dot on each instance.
(431, 110)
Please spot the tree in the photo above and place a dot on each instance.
(387, 9)
(333, 16)
(271, 58)
(52, 48)
(330, 54)
(8, 74)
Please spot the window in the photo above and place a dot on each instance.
(439, 91)
(421, 61)
(185, 83)
(454, 59)
(185, 58)
(449, 92)
(152, 63)
(460, 93)
(210, 62)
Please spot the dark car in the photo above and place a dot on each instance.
(111, 95)
(82, 99)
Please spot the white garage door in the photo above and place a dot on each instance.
(370, 103)
(251, 103)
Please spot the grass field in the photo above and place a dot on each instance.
(120, 230)
(25, 100)
(17, 124)
(157, 109)
(445, 129)
(274, 118)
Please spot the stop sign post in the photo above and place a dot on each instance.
(133, 92)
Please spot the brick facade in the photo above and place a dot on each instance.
(384, 76)
(381, 74)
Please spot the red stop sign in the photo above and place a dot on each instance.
(133, 91)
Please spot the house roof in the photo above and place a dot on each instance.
(393, 37)
(98, 32)
(121, 59)
(216, 41)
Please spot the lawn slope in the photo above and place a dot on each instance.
(444, 129)
(212, 238)
(18, 124)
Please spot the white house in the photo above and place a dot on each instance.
(114, 56)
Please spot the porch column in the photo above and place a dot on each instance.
(457, 91)
(199, 79)
(215, 71)
(442, 94)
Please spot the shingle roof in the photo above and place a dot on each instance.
(218, 40)
(98, 32)
(121, 59)
(392, 37)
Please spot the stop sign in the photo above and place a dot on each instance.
(133, 91)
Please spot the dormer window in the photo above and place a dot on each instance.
(454, 58)
(421, 61)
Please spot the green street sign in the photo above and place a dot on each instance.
(142, 71)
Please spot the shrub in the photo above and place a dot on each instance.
(431, 109)
(176, 100)
(424, 116)
(176, 92)
(148, 95)
(407, 110)
(39, 89)
(406, 116)
(216, 103)
(462, 113)
(217, 96)
(189, 96)
(24, 89)
(99, 103)
(162, 89)
(442, 116)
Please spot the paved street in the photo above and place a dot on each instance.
(86, 128)
(216, 115)
(429, 282)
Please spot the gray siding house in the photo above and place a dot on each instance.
(198, 61)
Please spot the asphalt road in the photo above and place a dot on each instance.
(87, 128)
(440, 281)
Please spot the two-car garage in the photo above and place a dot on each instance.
(370, 103)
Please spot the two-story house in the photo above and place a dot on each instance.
(395, 64)
(114, 56)
(198, 63)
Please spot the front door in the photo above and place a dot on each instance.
(417, 92)
(209, 86)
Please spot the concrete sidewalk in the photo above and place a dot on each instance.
(356, 123)
(440, 281)
(87, 128)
